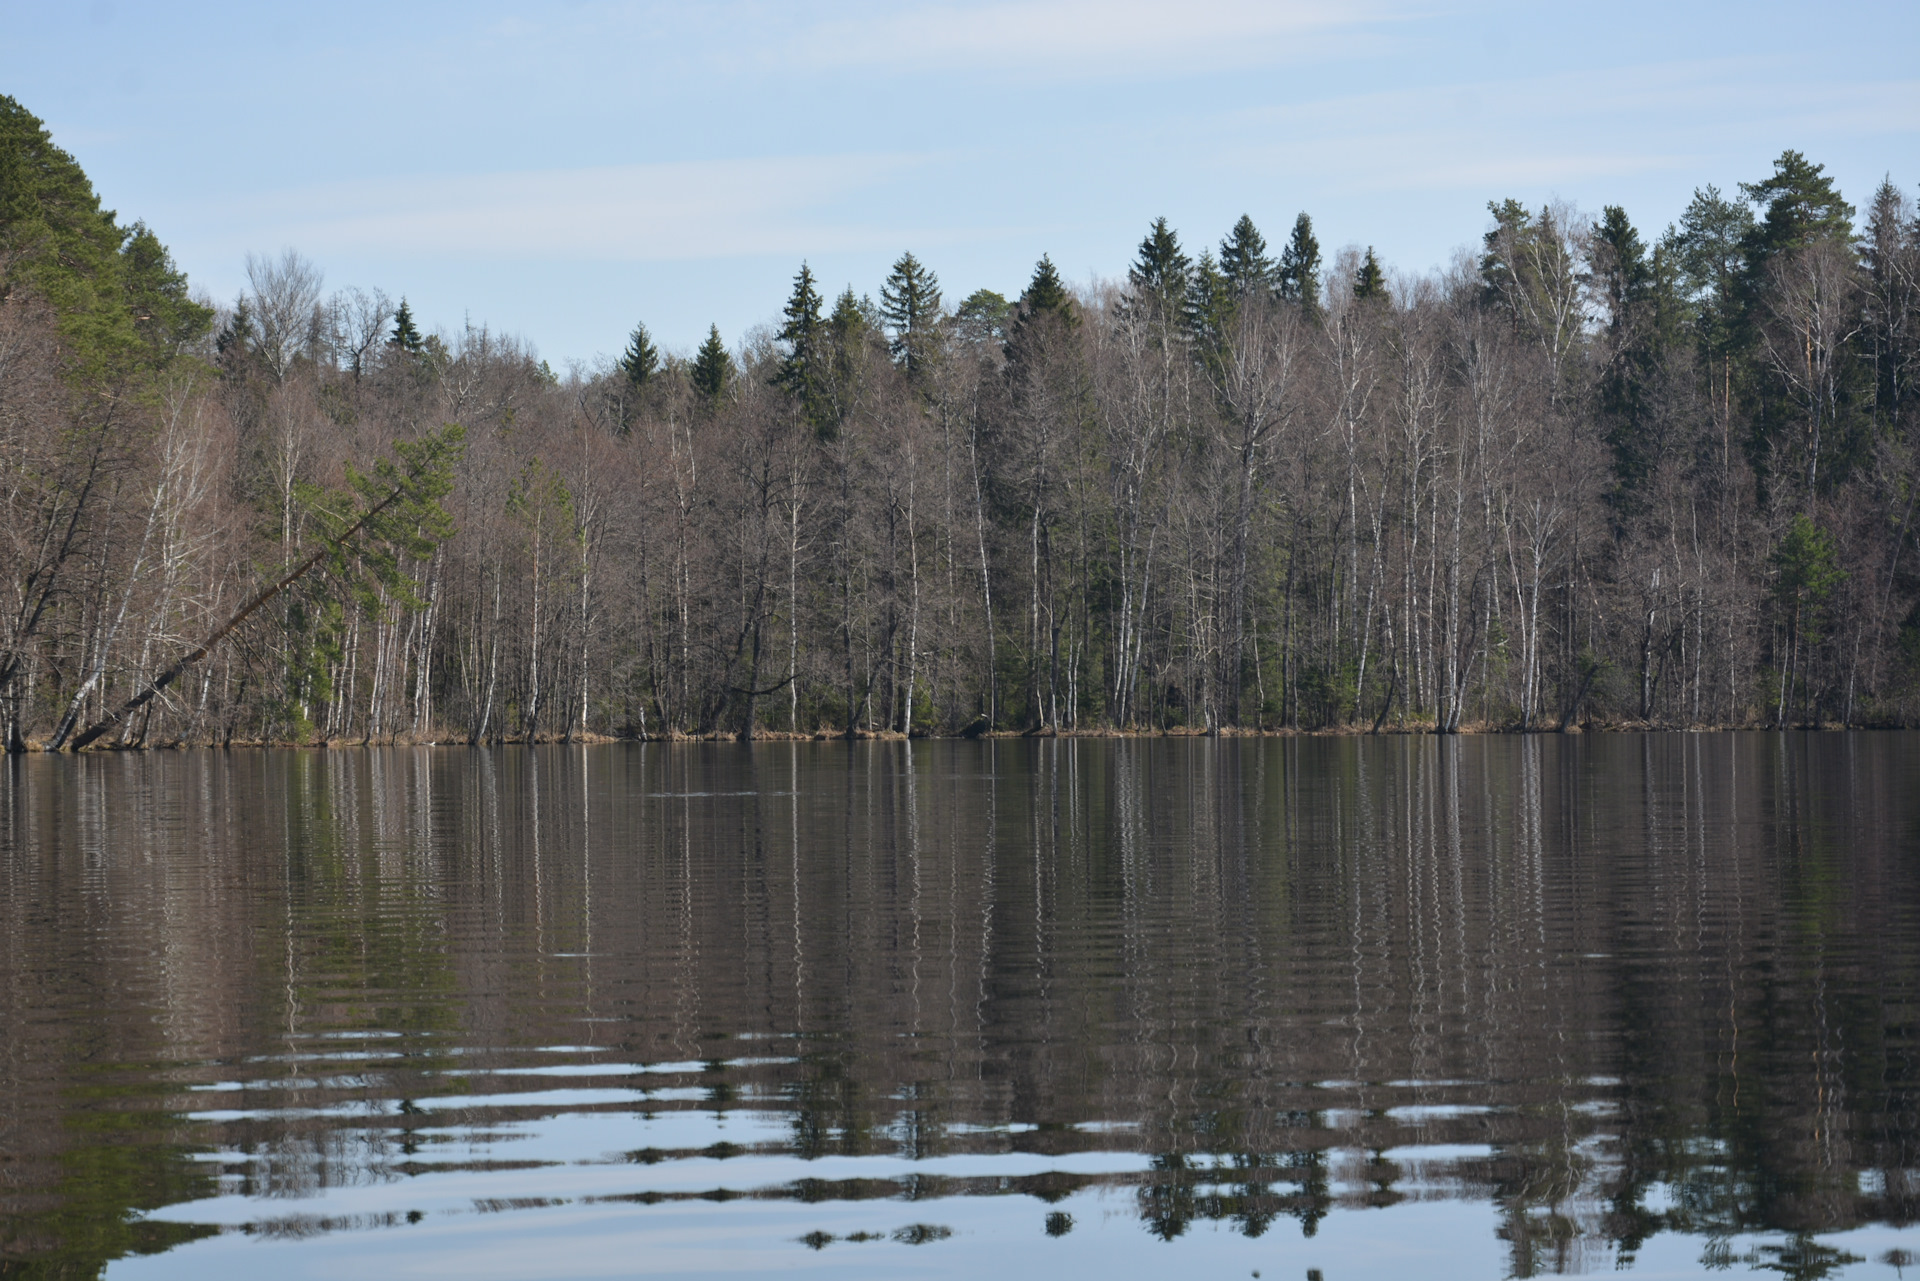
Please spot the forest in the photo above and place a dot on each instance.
(1585, 476)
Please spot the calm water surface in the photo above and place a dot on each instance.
(1326, 1008)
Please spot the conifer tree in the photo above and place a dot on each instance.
(641, 360)
(406, 336)
(910, 306)
(1046, 296)
(1800, 206)
(800, 374)
(1209, 301)
(1046, 293)
(1299, 273)
(712, 367)
(983, 317)
(1244, 262)
(122, 306)
(1370, 281)
(1623, 278)
(1160, 274)
(1890, 254)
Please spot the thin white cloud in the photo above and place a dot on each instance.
(1076, 35)
(1540, 130)
(617, 213)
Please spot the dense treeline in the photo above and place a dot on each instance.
(1584, 474)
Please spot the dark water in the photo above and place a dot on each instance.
(1375, 1008)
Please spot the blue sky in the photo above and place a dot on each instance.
(560, 171)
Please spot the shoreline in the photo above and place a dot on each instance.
(35, 747)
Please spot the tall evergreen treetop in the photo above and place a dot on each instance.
(1707, 245)
(1370, 281)
(121, 303)
(800, 372)
(1799, 204)
(1298, 278)
(910, 306)
(1161, 271)
(641, 360)
(1622, 275)
(984, 316)
(712, 368)
(1046, 293)
(1244, 262)
(1209, 301)
(406, 335)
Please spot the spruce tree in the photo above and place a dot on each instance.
(1299, 274)
(406, 336)
(1890, 253)
(800, 373)
(641, 360)
(712, 367)
(1370, 281)
(910, 306)
(1160, 273)
(1046, 293)
(1628, 350)
(1244, 262)
(1209, 302)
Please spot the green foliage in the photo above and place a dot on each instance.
(983, 317)
(1244, 262)
(1806, 567)
(847, 332)
(1800, 206)
(641, 360)
(1160, 274)
(122, 306)
(910, 307)
(1046, 293)
(1045, 306)
(800, 372)
(406, 335)
(712, 370)
(1370, 282)
(1209, 302)
(1298, 277)
(1630, 348)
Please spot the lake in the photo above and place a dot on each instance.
(1323, 1008)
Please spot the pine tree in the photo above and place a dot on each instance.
(712, 367)
(1299, 274)
(800, 373)
(1801, 206)
(121, 305)
(641, 360)
(910, 306)
(1160, 274)
(1244, 262)
(1370, 281)
(406, 337)
(983, 317)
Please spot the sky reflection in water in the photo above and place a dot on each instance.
(1380, 1008)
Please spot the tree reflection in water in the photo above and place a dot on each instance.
(1614, 987)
